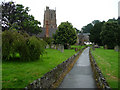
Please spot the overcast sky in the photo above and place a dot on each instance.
(78, 12)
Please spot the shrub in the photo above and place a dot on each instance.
(48, 40)
(36, 47)
(12, 43)
(7, 41)
(28, 48)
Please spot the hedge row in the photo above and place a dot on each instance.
(28, 47)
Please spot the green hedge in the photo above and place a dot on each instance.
(29, 48)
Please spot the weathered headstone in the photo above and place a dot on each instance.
(62, 48)
(58, 47)
(105, 47)
(55, 47)
(116, 48)
(47, 46)
(52, 46)
(96, 46)
(93, 48)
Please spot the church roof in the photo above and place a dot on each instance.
(51, 32)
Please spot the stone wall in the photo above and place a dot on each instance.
(51, 77)
(98, 76)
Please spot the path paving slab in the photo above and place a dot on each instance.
(81, 75)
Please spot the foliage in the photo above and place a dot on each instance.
(110, 34)
(107, 61)
(20, 74)
(86, 29)
(16, 17)
(11, 42)
(95, 22)
(77, 31)
(36, 47)
(29, 48)
(95, 33)
(48, 40)
(65, 34)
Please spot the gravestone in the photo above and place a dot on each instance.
(58, 47)
(96, 46)
(105, 47)
(55, 47)
(52, 46)
(116, 48)
(47, 46)
(62, 48)
(93, 48)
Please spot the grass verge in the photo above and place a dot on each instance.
(20, 74)
(107, 61)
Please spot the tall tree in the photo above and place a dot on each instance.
(17, 17)
(110, 34)
(95, 22)
(87, 28)
(65, 35)
(95, 33)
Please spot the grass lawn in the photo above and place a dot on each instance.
(77, 46)
(20, 74)
(107, 61)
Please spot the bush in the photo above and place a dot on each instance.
(36, 47)
(11, 40)
(48, 40)
(28, 48)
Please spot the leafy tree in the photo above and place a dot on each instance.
(12, 43)
(65, 34)
(86, 29)
(112, 20)
(95, 33)
(77, 31)
(17, 17)
(95, 22)
(110, 34)
(28, 48)
(36, 47)
(48, 40)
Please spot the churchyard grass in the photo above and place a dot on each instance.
(107, 61)
(77, 46)
(20, 74)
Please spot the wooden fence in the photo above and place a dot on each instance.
(51, 77)
(98, 76)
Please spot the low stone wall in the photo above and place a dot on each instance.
(98, 76)
(51, 77)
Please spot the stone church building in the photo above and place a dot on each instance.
(49, 23)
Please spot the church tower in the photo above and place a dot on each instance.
(49, 18)
(49, 23)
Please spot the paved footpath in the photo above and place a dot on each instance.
(81, 75)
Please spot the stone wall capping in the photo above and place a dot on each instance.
(100, 80)
(52, 76)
